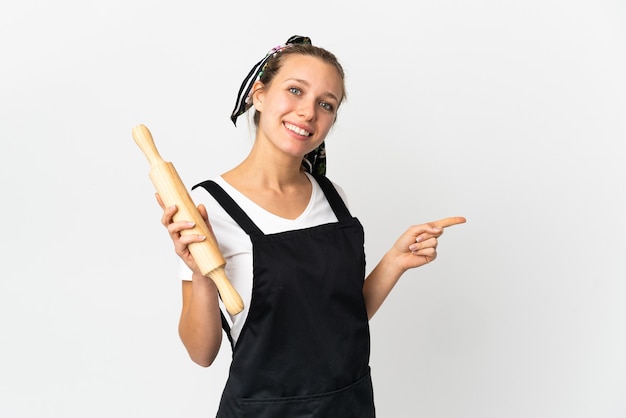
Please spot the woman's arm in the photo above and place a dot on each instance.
(416, 247)
(200, 326)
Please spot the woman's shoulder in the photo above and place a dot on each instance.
(200, 195)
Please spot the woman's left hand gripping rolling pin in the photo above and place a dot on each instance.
(173, 192)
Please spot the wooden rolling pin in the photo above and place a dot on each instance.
(173, 192)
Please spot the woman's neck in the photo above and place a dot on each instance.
(266, 168)
(274, 181)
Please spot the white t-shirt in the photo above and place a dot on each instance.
(235, 244)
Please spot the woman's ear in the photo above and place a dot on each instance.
(257, 95)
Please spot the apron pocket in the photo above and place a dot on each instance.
(353, 401)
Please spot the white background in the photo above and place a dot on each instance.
(511, 114)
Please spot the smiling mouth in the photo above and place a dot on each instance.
(299, 131)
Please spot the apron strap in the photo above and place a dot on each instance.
(239, 216)
(334, 199)
(226, 327)
(230, 206)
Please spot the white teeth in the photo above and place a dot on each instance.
(297, 130)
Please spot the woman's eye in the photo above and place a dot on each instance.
(294, 90)
(327, 106)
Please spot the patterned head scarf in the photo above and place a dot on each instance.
(315, 161)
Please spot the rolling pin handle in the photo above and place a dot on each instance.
(143, 138)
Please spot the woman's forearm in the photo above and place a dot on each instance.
(200, 326)
(379, 284)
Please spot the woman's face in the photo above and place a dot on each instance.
(299, 106)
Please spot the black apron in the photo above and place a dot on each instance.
(304, 349)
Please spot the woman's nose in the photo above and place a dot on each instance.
(307, 109)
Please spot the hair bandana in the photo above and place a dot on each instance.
(243, 102)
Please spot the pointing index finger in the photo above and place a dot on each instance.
(446, 222)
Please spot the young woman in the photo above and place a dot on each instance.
(294, 253)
